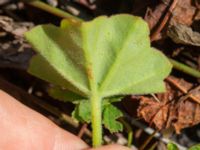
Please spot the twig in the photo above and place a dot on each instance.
(155, 97)
(82, 130)
(52, 10)
(164, 21)
(184, 68)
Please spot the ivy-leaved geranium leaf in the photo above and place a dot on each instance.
(110, 114)
(114, 52)
(64, 95)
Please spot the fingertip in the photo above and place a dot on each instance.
(30, 130)
(65, 140)
(111, 147)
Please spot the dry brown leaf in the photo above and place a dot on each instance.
(183, 13)
(175, 108)
(180, 84)
(187, 115)
(155, 112)
(194, 94)
(183, 35)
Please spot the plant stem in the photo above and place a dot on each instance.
(129, 131)
(50, 9)
(96, 104)
(184, 68)
(96, 119)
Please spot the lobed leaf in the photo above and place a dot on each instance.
(114, 52)
(110, 114)
(82, 111)
(102, 59)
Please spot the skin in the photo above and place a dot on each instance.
(22, 128)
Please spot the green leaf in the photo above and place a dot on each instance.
(57, 61)
(110, 114)
(82, 111)
(64, 95)
(195, 147)
(114, 51)
(99, 59)
(76, 116)
(171, 146)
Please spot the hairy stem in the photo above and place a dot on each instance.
(96, 119)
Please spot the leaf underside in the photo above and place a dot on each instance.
(64, 95)
(114, 51)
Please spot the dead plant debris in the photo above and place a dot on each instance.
(179, 107)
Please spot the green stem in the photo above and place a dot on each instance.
(184, 68)
(96, 120)
(50, 9)
(129, 131)
(130, 138)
